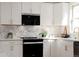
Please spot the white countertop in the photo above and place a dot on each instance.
(59, 38)
(55, 38)
(13, 39)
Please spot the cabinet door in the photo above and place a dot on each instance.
(4, 49)
(0, 12)
(27, 7)
(53, 48)
(46, 48)
(60, 48)
(61, 14)
(5, 13)
(46, 14)
(16, 13)
(10, 48)
(16, 48)
(57, 14)
(36, 8)
(68, 48)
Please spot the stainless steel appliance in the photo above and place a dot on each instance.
(76, 49)
(30, 19)
(32, 47)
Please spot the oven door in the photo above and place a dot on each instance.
(33, 49)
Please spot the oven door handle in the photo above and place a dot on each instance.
(32, 42)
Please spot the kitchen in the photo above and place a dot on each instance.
(39, 29)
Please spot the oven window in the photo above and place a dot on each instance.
(33, 50)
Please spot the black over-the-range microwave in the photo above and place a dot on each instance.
(30, 19)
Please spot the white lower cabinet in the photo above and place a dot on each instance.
(53, 48)
(46, 48)
(69, 49)
(16, 50)
(4, 49)
(10, 49)
(58, 48)
(64, 48)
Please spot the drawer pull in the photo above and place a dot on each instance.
(66, 48)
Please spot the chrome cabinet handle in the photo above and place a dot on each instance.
(66, 48)
(11, 48)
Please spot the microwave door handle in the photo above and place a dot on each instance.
(32, 42)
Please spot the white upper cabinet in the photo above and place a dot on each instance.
(11, 13)
(61, 14)
(5, 13)
(36, 8)
(31, 7)
(16, 13)
(26, 7)
(46, 16)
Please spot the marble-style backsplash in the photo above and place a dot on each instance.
(26, 31)
(19, 31)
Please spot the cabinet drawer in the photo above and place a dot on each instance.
(16, 42)
(12, 42)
